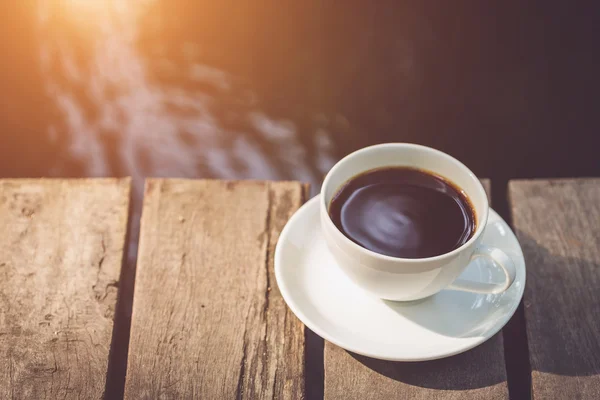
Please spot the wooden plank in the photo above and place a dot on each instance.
(208, 321)
(477, 374)
(557, 223)
(61, 249)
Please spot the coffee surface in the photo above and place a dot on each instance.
(403, 212)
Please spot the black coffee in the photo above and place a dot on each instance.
(403, 212)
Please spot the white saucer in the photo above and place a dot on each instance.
(332, 306)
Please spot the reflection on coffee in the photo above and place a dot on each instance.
(403, 212)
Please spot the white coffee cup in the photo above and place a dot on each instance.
(404, 279)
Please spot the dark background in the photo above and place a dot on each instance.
(280, 89)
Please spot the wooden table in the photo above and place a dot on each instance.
(208, 321)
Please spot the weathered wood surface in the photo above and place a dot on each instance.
(61, 249)
(477, 374)
(558, 225)
(208, 321)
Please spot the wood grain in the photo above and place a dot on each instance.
(477, 374)
(557, 223)
(208, 321)
(61, 249)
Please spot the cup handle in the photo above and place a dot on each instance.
(500, 257)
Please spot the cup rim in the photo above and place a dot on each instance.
(481, 222)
